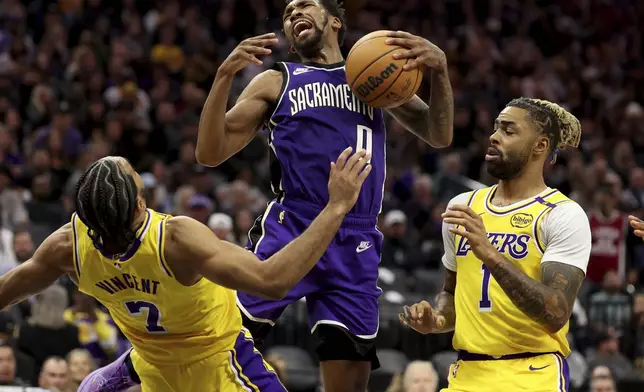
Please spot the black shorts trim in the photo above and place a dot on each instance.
(333, 343)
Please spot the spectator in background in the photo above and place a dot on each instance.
(398, 244)
(8, 367)
(601, 380)
(54, 375)
(81, 364)
(23, 246)
(25, 365)
(222, 225)
(96, 330)
(199, 208)
(609, 228)
(610, 307)
(13, 213)
(47, 334)
(606, 353)
(420, 376)
(634, 337)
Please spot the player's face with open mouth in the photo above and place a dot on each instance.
(510, 144)
(304, 24)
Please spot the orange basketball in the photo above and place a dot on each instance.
(375, 77)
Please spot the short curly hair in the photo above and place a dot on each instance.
(562, 128)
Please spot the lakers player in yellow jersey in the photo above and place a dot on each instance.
(515, 256)
(168, 281)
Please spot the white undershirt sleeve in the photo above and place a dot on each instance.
(449, 258)
(566, 235)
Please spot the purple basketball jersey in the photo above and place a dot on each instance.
(316, 118)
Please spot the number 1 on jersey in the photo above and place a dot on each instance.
(153, 317)
(485, 305)
(364, 139)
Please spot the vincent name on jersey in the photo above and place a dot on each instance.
(314, 95)
(122, 282)
(515, 245)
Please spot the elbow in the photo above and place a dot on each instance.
(274, 292)
(207, 158)
(442, 142)
(440, 136)
(556, 325)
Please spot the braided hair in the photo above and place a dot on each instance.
(562, 128)
(106, 199)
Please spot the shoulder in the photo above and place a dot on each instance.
(266, 85)
(568, 215)
(59, 244)
(271, 77)
(184, 234)
(462, 198)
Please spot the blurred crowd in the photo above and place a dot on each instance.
(80, 80)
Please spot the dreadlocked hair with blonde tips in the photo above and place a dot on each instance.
(106, 199)
(562, 128)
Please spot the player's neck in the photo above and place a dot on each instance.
(525, 186)
(328, 55)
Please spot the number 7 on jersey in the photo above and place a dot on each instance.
(153, 317)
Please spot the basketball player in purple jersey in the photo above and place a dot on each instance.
(312, 115)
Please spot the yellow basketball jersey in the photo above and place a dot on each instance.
(487, 322)
(166, 322)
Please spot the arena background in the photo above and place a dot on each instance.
(83, 79)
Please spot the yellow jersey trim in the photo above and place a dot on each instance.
(77, 266)
(537, 225)
(491, 208)
(161, 247)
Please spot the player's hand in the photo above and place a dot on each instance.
(246, 53)
(637, 224)
(421, 51)
(346, 178)
(422, 318)
(469, 224)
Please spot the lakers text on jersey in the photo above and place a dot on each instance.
(488, 322)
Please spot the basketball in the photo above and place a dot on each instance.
(375, 77)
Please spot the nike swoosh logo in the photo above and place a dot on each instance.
(539, 368)
(300, 71)
(360, 250)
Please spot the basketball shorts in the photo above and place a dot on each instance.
(241, 369)
(341, 290)
(538, 373)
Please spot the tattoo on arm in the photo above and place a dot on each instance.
(431, 122)
(548, 302)
(445, 301)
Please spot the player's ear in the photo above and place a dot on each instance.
(542, 145)
(336, 23)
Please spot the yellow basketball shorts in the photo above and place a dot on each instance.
(241, 369)
(539, 373)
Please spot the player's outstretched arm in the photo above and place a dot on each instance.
(550, 300)
(192, 244)
(434, 121)
(53, 259)
(222, 134)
